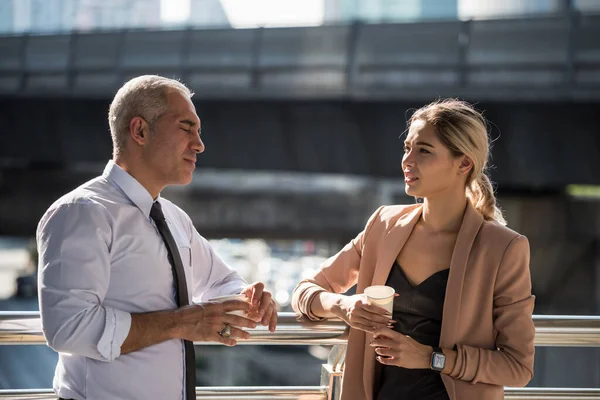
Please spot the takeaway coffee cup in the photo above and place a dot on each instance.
(381, 296)
(222, 299)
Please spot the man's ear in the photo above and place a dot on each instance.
(138, 129)
(466, 165)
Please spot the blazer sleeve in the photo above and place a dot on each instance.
(511, 363)
(336, 275)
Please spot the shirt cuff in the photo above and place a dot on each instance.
(116, 329)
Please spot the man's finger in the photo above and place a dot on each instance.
(273, 320)
(235, 305)
(226, 341)
(236, 320)
(265, 302)
(266, 319)
(257, 292)
(237, 333)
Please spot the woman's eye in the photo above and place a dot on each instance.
(424, 151)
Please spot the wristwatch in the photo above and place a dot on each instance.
(438, 360)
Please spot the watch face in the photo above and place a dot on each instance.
(439, 361)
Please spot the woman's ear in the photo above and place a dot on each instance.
(466, 165)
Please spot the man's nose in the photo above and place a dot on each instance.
(198, 145)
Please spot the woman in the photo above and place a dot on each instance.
(461, 327)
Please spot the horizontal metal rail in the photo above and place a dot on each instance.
(551, 394)
(317, 393)
(18, 328)
(207, 393)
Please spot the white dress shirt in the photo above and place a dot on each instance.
(101, 259)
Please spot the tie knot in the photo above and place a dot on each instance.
(156, 212)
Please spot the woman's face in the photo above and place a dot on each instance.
(430, 170)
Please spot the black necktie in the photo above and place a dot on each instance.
(181, 293)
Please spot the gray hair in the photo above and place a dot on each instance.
(144, 96)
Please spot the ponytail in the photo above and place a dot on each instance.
(480, 193)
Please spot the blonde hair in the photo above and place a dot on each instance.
(462, 129)
(144, 96)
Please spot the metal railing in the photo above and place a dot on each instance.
(19, 328)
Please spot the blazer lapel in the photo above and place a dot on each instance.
(389, 249)
(393, 243)
(469, 229)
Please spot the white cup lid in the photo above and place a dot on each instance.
(379, 292)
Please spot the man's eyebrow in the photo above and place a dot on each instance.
(188, 122)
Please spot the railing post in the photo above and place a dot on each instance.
(331, 373)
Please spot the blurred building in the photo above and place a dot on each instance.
(303, 138)
(207, 13)
(116, 14)
(38, 15)
(66, 15)
(389, 10)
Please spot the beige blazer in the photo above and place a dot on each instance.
(487, 310)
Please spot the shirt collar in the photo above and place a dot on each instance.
(129, 186)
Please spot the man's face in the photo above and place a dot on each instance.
(171, 150)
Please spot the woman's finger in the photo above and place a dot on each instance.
(376, 310)
(386, 352)
(389, 333)
(373, 326)
(369, 316)
(379, 342)
(387, 360)
(363, 327)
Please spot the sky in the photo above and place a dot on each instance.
(272, 13)
(254, 13)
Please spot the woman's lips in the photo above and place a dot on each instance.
(409, 178)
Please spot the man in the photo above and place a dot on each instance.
(124, 277)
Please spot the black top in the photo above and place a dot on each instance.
(418, 311)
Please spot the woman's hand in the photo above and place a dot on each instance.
(393, 348)
(357, 313)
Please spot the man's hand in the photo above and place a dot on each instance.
(263, 307)
(203, 322)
